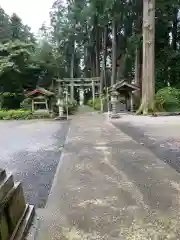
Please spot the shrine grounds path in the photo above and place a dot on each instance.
(161, 135)
(109, 186)
(31, 151)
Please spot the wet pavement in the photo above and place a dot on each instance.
(161, 135)
(31, 151)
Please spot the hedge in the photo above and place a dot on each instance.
(11, 100)
(21, 115)
(26, 104)
(15, 114)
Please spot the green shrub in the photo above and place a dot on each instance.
(11, 100)
(97, 103)
(72, 107)
(26, 104)
(90, 103)
(15, 114)
(22, 115)
(168, 99)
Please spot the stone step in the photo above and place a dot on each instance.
(6, 184)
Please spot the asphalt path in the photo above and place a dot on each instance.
(160, 135)
(31, 151)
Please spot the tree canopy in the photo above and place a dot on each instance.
(89, 38)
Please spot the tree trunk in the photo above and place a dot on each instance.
(93, 63)
(72, 70)
(114, 44)
(173, 73)
(138, 67)
(72, 60)
(85, 62)
(97, 49)
(137, 76)
(174, 29)
(121, 67)
(104, 57)
(148, 75)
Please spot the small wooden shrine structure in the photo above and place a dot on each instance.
(127, 91)
(41, 99)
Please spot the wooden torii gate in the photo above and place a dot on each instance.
(81, 83)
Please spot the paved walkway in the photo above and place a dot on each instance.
(109, 187)
(85, 109)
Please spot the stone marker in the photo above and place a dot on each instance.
(2, 174)
(15, 215)
(6, 185)
(16, 206)
(4, 230)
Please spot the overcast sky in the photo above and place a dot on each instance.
(32, 12)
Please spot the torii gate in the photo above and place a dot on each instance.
(81, 83)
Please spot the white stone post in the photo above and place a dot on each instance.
(32, 105)
(81, 96)
(47, 108)
(101, 99)
(131, 102)
(93, 92)
(72, 89)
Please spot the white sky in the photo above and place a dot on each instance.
(32, 12)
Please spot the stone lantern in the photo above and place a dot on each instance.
(101, 99)
(114, 101)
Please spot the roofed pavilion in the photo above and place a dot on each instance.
(41, 99)
(127, 90)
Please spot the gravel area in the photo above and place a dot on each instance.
(31, 151)
(160, 134)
